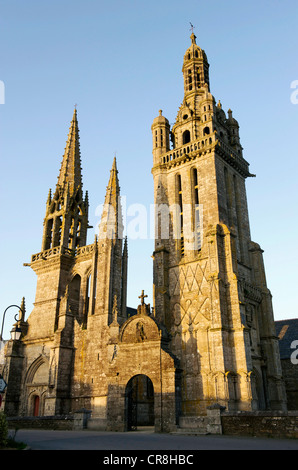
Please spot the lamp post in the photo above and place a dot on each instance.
(16, 330)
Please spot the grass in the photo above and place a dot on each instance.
(12, 444)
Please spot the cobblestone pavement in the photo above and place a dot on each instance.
(106, 441)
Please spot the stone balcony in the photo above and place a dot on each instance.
(61, 250)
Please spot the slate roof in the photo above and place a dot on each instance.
(131, 311)
(287, 332)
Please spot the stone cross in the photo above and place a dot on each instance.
(142, 297)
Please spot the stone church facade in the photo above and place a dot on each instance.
(210, 335)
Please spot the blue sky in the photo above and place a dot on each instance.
(120, 62)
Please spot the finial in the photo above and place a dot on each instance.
(125, 250)
(193, 36)
(160, 112)
(142, 297)
(143, 309)
(114, 166)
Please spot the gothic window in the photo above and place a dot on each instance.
(206, 131)
(57, 231)
(75, 294)
(87, 300)
(189, 80)
(49, 234)
(197, 223)
(88, 288)
(78, 233)
(173, 140)
(195, 185)
(180, 205)
(186, 137)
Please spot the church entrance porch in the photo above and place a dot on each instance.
(139, 402)
(141, 377)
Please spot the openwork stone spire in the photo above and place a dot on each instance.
(66, 220)
(111, 222)
(70, 171)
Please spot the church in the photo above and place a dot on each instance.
(209, 337)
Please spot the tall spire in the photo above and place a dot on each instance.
(111, 221)
(70, 171)
(66, 220)
(113, 188)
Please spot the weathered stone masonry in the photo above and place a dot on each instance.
(210, 336)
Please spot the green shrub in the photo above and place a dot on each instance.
(3, 430)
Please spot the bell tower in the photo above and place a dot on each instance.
(209, 282)
(66, 219)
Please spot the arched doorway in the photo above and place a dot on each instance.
(139, 402)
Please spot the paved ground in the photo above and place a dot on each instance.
(93, 440)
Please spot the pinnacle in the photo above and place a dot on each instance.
(193, 38)
(112, 216)
(70, 172)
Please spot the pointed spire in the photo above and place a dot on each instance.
(111, 221)
(70, 171)
(113, 188)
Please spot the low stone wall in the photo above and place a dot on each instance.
(260, 424)
(75, 421)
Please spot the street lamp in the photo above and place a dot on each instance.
(16, 330)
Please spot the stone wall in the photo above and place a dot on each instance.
(290, 374)
(261, 424)
(69, 422)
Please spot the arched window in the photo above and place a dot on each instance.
(88, 290)
(206, 131)
(180, 220)
(57, 231)
(197, 221)
(186, 137)
(75, 294)
(189, 79)
(49, 234)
